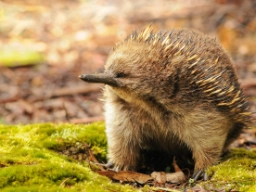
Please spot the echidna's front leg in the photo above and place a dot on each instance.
(123, 139)
(123, 152)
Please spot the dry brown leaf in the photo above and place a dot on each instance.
(127, 176)
(160, 177)
(177, 177)
(175, 166)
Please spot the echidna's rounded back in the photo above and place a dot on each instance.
(204, 67)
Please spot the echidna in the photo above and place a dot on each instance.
(170, 92)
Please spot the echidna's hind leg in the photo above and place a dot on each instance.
(205, 134)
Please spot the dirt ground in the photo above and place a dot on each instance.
(75, 37)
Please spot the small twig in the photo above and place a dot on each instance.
(63, 182)
(58, 93)
(94, 160)
(11, 99)
(75, 90)
(248, 83)
(66, 112)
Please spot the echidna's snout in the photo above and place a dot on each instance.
(100, 78)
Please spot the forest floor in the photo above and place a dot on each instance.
(45, 45)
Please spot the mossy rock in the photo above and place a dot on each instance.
(45, 157)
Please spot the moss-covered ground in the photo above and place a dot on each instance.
(236, 172)
(29, 163)
(33, 158)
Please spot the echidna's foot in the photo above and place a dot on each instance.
(200, 174)
(117, 169)
(109, 164)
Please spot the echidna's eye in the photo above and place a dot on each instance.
(120, 75)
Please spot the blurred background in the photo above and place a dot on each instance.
(45, 45)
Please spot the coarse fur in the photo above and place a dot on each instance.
(174, 89)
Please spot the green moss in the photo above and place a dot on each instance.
(29, 163)
(237, 172)
(32, 160)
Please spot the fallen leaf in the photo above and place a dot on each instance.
(160, 177)
(177, 177)
(175, 166)
(127, 176)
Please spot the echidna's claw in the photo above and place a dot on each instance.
(200, 174)
(109, 164)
